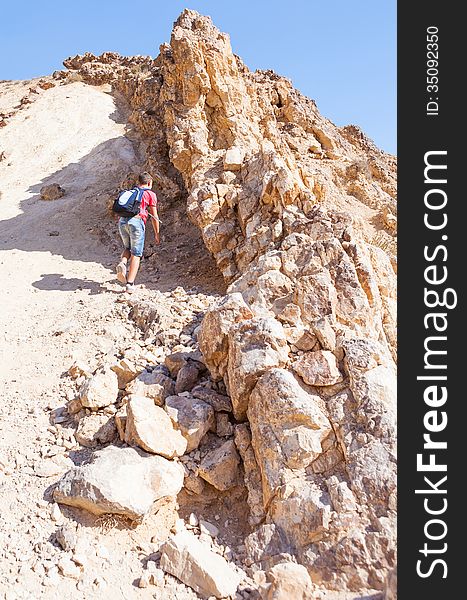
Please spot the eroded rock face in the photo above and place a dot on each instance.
(213, 337)
(300, 218)
(318, 368)
(288, 428)
(255, 346)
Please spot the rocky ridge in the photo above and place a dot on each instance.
(291, 208)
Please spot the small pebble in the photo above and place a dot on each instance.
(55, 513)
(209, 528)
(144, 580)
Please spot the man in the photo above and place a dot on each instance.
(132, 231)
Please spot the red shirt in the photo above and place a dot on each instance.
(149, 199)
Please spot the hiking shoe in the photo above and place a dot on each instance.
(130, 288)
(121, 272)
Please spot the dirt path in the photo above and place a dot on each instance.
(60, 303)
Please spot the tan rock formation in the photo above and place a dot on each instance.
(96, 429)
(300, 217)
(318, 368)
(288, 427)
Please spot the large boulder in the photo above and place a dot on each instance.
(318, 368)
(150, 427)
(213, 335)
(255, 346)
(99, 390)
(96, 429)
(124, 481)
(191, 561)
(220, 467)
(154, 385)
(288, 428)
(288, 580)
(192, 417)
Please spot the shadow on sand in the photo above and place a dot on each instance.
(79, 227)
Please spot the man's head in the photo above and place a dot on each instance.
(145, 179)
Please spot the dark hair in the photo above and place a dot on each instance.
(144, 178)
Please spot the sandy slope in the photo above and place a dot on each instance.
(59, 302)
(70, 135)
(50, 284)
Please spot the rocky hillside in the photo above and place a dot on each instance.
(276, 400)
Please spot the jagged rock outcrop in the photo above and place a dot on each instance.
(300, 217)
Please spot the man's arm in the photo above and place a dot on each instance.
(155, 222)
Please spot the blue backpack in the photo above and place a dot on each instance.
(128, 203)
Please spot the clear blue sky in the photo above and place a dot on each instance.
(341, 53)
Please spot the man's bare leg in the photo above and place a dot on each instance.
(133, 270)
(122, 266)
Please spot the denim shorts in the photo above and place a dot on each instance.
(132, 231)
